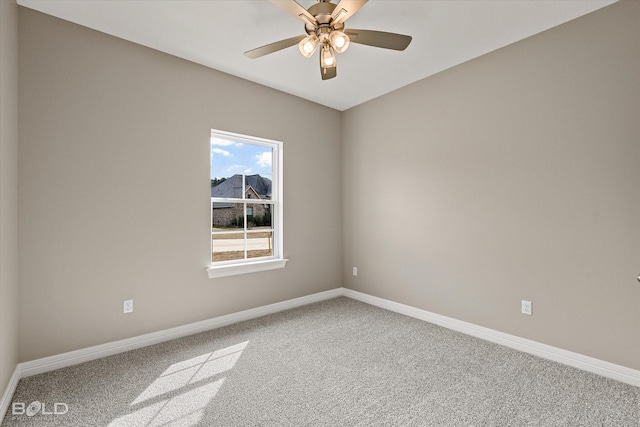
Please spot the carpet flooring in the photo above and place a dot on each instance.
(335, 363)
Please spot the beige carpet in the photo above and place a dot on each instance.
(335, 363)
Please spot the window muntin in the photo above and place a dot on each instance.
(246, 200)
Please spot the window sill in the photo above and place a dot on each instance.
(244, 268)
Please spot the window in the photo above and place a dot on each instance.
(246, 204)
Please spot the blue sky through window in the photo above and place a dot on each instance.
(229, 157)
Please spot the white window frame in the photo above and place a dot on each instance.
(277, 260)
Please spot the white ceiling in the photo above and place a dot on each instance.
(215, 33)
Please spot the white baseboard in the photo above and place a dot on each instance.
(8, 392)
(38, 366)
(576, 360)
(51, 363)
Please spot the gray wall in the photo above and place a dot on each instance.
(513, 176)
(8, 191)
(114, 189)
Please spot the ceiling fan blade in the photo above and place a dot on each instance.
(379, 39)
(273, 47)
(293, 8)
(345, 9)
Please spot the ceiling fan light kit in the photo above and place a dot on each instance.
(327, 57)
(324, 25)
(339, 41)
(308, 45)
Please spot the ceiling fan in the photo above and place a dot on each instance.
(324, 25)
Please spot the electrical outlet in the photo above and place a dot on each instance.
(127, 306)
(527, 307)
(355, 271)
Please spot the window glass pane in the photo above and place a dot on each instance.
(222, 254)
(264, 186)
(258, 186)
(228, 247)
(259, 244)
(261, 217)
(227, 168)
(240, 170)
(227, 216)
(258, 160)
(227, 232)
(260, 230)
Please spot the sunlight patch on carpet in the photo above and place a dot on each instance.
(180, 394)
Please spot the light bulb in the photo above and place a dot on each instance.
(339, 41)
(328, 61)
(308, 45)
(327, 57)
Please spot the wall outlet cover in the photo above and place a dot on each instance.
(527, 307)
(127, 306)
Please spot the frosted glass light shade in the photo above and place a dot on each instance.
(327, 57)
(308, 45)
(339, 41)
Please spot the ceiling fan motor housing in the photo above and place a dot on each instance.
(322, 8)
(322, 12)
